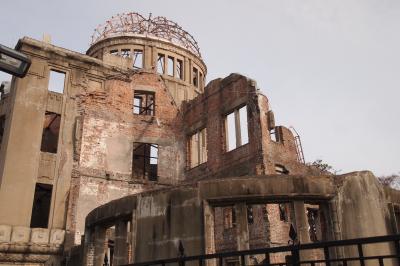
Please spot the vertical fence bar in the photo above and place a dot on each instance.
(361, 254)
(242, 261)
(327, 256)
(221, 261)
(200, 262)
(181, 262)
(345, 262)
(397, 247)
(295, 255)
(267, 260)
(381, 262)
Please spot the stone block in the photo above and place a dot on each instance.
(40, 236)
(5, 233)
(57, 236)
(20, 234)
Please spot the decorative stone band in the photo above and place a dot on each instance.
(24, 244)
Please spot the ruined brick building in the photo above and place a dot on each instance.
(121, 153)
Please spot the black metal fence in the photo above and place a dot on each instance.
(382, 250)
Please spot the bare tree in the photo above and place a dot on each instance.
(323, 166)
(392, 180)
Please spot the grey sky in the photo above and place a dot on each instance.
(331, 69)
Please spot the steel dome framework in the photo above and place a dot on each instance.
(135, 24)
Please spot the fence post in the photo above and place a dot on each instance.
(327, 256)
(295, 255)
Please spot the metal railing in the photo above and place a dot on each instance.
(330, 256)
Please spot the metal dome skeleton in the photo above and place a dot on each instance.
(157, 27)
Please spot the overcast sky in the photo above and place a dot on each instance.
(331, 69)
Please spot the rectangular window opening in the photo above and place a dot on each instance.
(198, 148)
(51, 130)
(137, 59)
(195, 77)
(231, 132)
(236, 129)
(171, 66)
(179, 69)
(283, 212)
(125, 53)
(41, 206)
(56, 81)
(161, 64)
(314, 222)
(145, 161)
(272, 133)
(143, 103)
(244, 133)
(281, 169)
(114, 52)
(201, 82)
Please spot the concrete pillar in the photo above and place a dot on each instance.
(148, 58)
(133, 236)
(121, 243)
(242, 228)
(99, 245)
(88, 247)
(154, 59)
(208, 228)
(301, 222)
(301, 226)
(188, 70)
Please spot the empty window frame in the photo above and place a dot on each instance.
(143, 103)
(273, 135)
(179, 69)
(195, 77)
(171, 66)
(198, 148)
(201, 86)
(114, 52)
(2, 127)
(51, 130)
(137, 59)
(125, 53)
(41, 206)
(314, 227)
(56, 81)
(283, 212)
(229, 217)
(236, 129)
(161, 64)
(145, 161)
(281, 169)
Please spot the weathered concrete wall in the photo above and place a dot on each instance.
(165, 218)
(362, 211)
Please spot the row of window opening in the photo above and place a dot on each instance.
(135, 54)
(315, 218)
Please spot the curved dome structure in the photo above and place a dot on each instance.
(134, 24)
